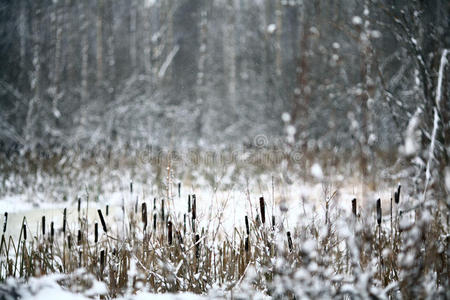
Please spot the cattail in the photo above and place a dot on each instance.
(102, 220)
(194, 207)
(154, 221)
(189, 203)
(64, 220)
(246, 244)
(184, 223)
(136, 205)
(354, 206)
(52, 231)
(131, 186)
(107, 209)
(247, 227)
(79, 206)
(5, 222)
(273, 222)
(154, 203)
(96, 232)
(69, 241)
(262, 207)
(162, 210)
(379, 211)
(289, 240)
(144, 214)
(24, 232)
(397, 194)
(43, 225)
(179, 189)
(197, 245)
(102, 259)
(169, 233)
(79, 237)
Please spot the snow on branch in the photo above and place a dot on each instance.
(168, 61)
(435, 119)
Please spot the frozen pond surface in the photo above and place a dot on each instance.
(221, 210)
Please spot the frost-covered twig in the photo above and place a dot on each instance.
(436, 112)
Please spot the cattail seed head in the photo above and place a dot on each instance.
(96, 232)
(102, 220)
(43, 225)
(247, 227)
(354, 206)
(102, 259)
(162, 210)
(64, 220)
(379, 211)
(397, 194)
(189, 203)
(52, 231)
(194, 207)
(273, 222)
(5, 222)
(262, 206)
(289, 241)
(144, 214)
(169, 232)
(197, 245)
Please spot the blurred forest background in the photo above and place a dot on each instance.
(196, 73)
